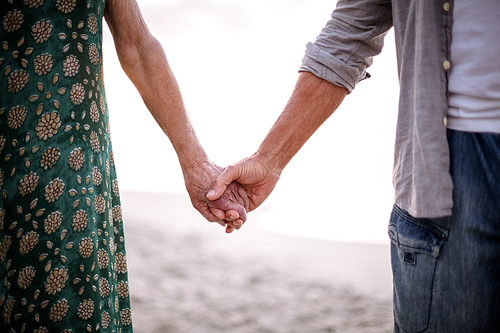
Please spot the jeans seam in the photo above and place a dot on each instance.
(432, 296)
(412, 247)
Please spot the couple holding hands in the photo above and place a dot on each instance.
(62, 247)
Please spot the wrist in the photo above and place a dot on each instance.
(270, 161)
(192, 158)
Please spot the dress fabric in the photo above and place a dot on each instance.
(62, 256)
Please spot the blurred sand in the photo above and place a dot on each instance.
(187, 276)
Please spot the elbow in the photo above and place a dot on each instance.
(134, 52)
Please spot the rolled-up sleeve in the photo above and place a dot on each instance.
(345, 48)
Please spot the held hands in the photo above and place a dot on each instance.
(257, 178)
(230, 208)
(232, 192)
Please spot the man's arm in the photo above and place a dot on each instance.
(144, 61)
(331, 67)
(312, 102)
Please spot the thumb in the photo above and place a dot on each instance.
(220, 184)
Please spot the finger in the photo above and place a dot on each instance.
(229, 229)
(221, 183)
(231, 215)
(236, 212)
(244, 196)
(205, 211)
(237, 224)
(218, 212)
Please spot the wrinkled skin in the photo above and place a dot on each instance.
(253, 175)
(229, 209)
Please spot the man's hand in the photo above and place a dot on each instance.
(256, 178)
(231, 207)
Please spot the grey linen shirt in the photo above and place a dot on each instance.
(344, 50)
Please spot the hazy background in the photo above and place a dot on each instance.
(236, 63)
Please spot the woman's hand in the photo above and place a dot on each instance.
(228, 208)
(256, 177)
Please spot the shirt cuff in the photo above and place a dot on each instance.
(329, 68)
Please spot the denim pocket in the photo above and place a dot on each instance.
(414, 250)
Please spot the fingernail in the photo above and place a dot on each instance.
(211, 193)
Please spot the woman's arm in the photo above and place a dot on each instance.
(143, 60)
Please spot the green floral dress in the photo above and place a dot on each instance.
(62, 256)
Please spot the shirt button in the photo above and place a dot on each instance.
(445, 121)
(446, 6)
(446, 65)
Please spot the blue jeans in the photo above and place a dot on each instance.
(446, 271)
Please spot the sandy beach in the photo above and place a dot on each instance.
(187, 275)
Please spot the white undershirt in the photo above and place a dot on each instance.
(474, 86)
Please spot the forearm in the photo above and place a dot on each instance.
(161, 94)
(144, 61)
(312, 102)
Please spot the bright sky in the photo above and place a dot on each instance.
(236, 63)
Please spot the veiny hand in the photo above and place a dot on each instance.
(231, 207)
(257, 178)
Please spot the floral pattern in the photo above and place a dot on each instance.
(96, 176)
(94, 112)
(79, 222)
(13, 20)
(16, 117)
(116, 190)
(17, 81)
(103, 287)
(94, 141)
(28, 184)
(26, 276)
(49, 158)
(42, 31)
(123, 289)
(63, 263)
(94, 54)
(92, 24)
(126, 317)
(28, 242)
(77, 94)
(71, 65)
(4, 247)
(76, 159)
(99, 204)
(52, 222)
(86, 309)
(102, 259)
(86, 247)
(59, 310)
(66, 6)
(43, 64)
(48, 125)
(33, 3)
(54, 190)
(117, 214)
(56, 281)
